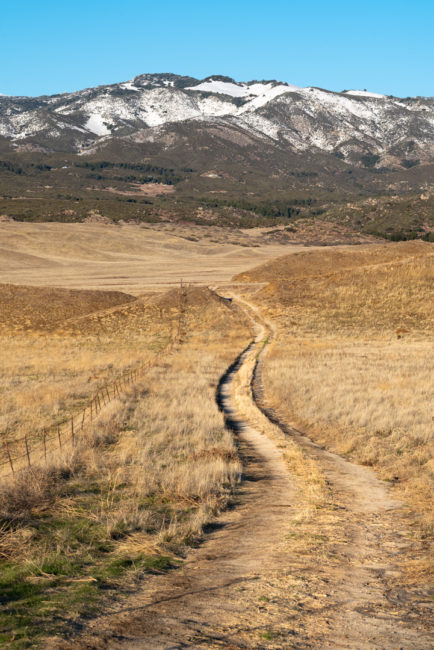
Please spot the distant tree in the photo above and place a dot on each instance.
(370, 159)
(405, 162)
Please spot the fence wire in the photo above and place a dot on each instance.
(36, 447)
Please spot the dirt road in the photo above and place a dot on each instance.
(249, 585)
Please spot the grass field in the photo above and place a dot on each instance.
(120, 503)
(53, 361)
(353, 363)
(130, 258)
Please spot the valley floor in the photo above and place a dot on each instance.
(219, 502)
(307, 557)
(136, 258)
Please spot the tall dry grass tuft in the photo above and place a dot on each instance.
(174, 450)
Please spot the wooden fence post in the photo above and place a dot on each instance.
(8, 454)
(44, 435)
(72, 430)
(82, 419)
(59, 437)
(27, 450)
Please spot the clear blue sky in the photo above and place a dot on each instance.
(51, 46)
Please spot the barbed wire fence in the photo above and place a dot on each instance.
(33, 449)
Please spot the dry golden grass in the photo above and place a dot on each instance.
(45, 380)
(177, 447)
(140, 484)
(127, 257)
(353, 363)
(314, 262)
(371, 402)
(41, 308)
(48, 374)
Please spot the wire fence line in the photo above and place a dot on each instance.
(30, 450)
(17, 454)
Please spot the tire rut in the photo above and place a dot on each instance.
(214, 599)
(240, 588)
(368, 611)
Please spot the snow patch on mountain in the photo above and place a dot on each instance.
(221, 87)
(269, 93)
(128, 85)
(261, 125)
(95, 123)
(265, 91)
(342, 105)
(363, 93)
(6, 130)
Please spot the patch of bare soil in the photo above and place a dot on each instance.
(249, 585)
(95, 217)
(147, 189)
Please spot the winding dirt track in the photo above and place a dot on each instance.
(241, 588)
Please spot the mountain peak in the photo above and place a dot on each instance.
(163, 79)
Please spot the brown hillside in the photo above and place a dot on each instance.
(41, 308)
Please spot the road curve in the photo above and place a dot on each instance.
(244, 586)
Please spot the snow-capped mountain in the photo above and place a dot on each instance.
(350, 125)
